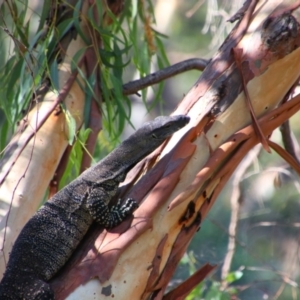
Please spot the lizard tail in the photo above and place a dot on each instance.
(35, 289)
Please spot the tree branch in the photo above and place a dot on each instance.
(288, 140)
(236, 201)
(133, 87)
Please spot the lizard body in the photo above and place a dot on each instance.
(50, 237)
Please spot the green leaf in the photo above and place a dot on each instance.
(34, 41)
(234, 276)
(59, 32)
(76, 59)
(15, 76)
(77, 22)
(5, 131)
(162, 54)
(134, 9)
(45, 14)
(99, 5)
(54, 76)
(71, 126)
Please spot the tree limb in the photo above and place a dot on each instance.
(133, 87)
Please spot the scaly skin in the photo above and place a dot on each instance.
(53, 233)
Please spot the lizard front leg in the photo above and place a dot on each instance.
(97, 204)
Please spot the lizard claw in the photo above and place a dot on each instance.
(120, 212)
(129, 206)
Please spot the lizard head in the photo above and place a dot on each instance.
(162, 127)
(141, 143)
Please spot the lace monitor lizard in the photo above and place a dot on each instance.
(50, 237)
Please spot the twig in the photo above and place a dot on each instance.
(237, 53)
(54, 183)
(288, 140)
(279, 291)
(236, 199)
(269, 268)
(192, 11)
(286, 156)
(95, 115)
(182, 290)
(133, 87)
